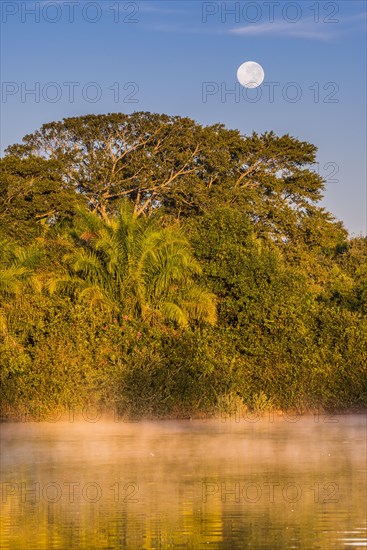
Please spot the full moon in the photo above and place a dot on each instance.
(250, 74)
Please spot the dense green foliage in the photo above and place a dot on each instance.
(151, 264)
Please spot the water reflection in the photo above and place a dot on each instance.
(225, 484)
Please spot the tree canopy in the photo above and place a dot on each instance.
(173, 163)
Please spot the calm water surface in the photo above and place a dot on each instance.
(269, 484)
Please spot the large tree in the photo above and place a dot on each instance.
(185, 169)
(146, 157)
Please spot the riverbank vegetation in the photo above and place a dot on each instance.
(157, 267)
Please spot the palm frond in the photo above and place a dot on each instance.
(94, 295)
(199, 304)
(65, 284)
(173, 312)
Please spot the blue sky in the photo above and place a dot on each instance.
(181, 57)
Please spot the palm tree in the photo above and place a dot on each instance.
(17, 266)
(136, 267)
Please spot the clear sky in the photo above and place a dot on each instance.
(67, 58)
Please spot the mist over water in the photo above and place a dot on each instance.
(275, 482)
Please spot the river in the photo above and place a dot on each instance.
(275, 482)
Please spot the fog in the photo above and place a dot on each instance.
(119, 484)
